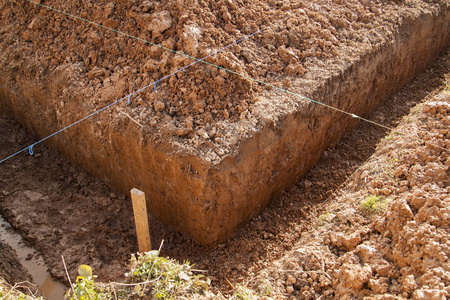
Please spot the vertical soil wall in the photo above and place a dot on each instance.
(206, 199)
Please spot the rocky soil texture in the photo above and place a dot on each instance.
(330, 242)
(385, 235)
(296, 37)
(192, 140)
(63, 210)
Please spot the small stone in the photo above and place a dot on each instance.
(230, 28)
(409, 284)
(146, 6)
(183, 131)
(383, 271)
(161, 21)
(247, 55)
(183, 18)
(286, 54)
(33, 196)
(290, 280)
(202, 133)
(37, 23)
(403, 189)
(109, 9)
(425, 294)
(290, 70)
(330, 218)
(27, 35)
(226, 115)
(220, 80)
(97, 72)
(199, 105)
(379, 286)
(153, 122)
(189, 122)
(286, 83)
(289, 289)
(350, 241)
(226, 16)
(189, 38)
(365, 252)
(385, 191)
(300, 69)
(160, 106)
(172, 111)
(170, 128)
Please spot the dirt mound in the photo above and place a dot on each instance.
(193, 143)
(63, 210)
(387, 232)
(301, 33)
(11, 269)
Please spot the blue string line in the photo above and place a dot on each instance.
(30, 150)
(196, 61)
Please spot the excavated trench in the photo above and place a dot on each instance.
(210, 178)
(33, 264)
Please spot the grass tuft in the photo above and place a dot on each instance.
(374, 204)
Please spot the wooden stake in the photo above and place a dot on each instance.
(140, 218)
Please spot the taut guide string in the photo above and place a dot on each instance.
(128, 97)
(30, 148)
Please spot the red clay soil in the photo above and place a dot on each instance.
(300, 33)
(206, 133)
(64, 211)
(398, 248)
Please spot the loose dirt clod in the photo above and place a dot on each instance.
(106, 240)
(192, 141)
(401, 251)
(202, 126)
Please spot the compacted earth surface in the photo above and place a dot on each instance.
(372, 218)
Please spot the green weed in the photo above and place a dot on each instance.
(168, 279)
(373, 204)
(322, 219)
(150, 277)
(243, 293)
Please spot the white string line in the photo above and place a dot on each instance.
(223, 68)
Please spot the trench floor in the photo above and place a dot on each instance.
(62, 210)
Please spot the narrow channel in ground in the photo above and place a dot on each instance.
(33, 263)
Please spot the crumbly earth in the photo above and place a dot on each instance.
(200, 106)
(10, 268)
(400, 249)
(64, 211)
